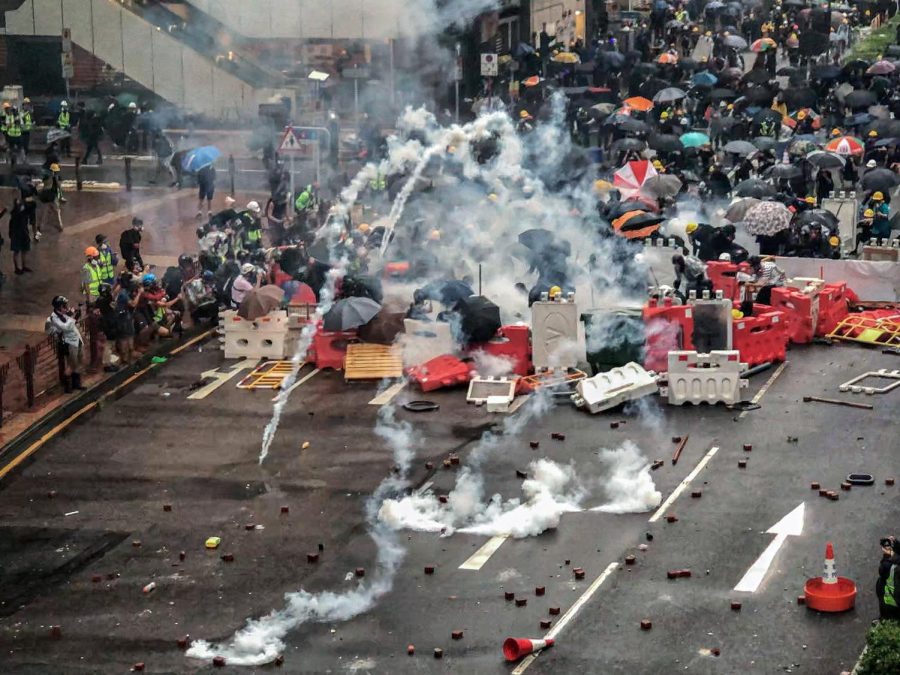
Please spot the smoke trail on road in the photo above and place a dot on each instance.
(261, 640)
(629, 487)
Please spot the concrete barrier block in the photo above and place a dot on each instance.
(607, 390)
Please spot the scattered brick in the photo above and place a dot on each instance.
(630, 560)
(735, 605)
(554, 611)
(410, 649)
(510, 596)
(521, 602)
(815, 485)
(360, 571)
(218, 661)
(646, 624)
(539, 590)
(546, 623)
(312, 557)
(438, 653)
(457, 635)
(429, 569)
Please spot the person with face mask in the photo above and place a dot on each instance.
(63, 324)
(91, 275)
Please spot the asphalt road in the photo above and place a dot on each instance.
(154, 447)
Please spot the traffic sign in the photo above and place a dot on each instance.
(298, 142)
(489, 65)
(67, 40)
(68, 66)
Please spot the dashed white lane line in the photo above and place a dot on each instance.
(762, 392)
(296, 384)
(567, 618)
(684, 484)
(482, 555)
(388, 394)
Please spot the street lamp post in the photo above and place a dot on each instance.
(458, 76)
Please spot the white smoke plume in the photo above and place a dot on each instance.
(629, 487)
(492, 365)
(262, 639)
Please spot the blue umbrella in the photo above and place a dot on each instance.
(705, 78)
(694, 139)
(200, 157)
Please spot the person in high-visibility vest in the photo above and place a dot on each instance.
(64, 123)
(305, 200)
(108, 259)
(27, 124)
(251, 227)
(888, 578)
(91, 276)
(12, 129)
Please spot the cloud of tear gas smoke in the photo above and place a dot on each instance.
(262, 639)
(492, 365)
(629, 487)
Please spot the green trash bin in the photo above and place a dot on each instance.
(613, 337)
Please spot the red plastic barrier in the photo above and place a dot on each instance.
(761, 338)
(331, 348)
(802, 312)
(723, 276)
(396, 269)
(668, 328)
(440, 372)
(833, 307)
(513, 343)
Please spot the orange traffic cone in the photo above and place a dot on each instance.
(517, 648)
(829, 592)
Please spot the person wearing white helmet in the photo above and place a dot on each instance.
(251, 227)
(64, 123)
(246, 282)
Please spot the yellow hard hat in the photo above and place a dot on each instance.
(801, 115)
(878, 197)
(834, 241)
(810, 200)
(657, 164)
(664, 115)
(730, 106)
(91, 252)
(554, 291)
(835, 132)
(873, 134)
(868, 213)
(709, 33)
(690, 228)
(695, 29)
(523, 114)
(363, 228)
(737, 314)
(492, 197)
(54, 167)
(434, 235)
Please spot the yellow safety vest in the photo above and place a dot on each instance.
(27, 121)
(890, 588)
(96, 280)
(107, 270)
(11, 126)
(63, 120)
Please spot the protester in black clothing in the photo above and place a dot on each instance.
(19, 240)
(91, 130)
(130, 245)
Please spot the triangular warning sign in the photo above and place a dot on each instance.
(289, 141)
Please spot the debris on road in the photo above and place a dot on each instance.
(678, 450)
(834, 401)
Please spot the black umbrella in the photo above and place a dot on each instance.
(855, 64)
(887, 142)
(782, 170)
(633, 126)
(362, 286)
(646, 68)
(641, 221)
(800, 97)
(789, 70)
(825, 160)
(322, 252)
(759, 95)
(757, 76)
(537, 238)
(669, 95)
(880, 179)
(688, 64)
(767, 114)
(722, 94)
(665, 143)
(819, 217)
(448, 292)
(764, 143)
(651, 87)
(626, 144)
(350, 313)
(480, 318)
(613, 60)
(755, 187)
(826, 72)
(742, 148)
(860, 98)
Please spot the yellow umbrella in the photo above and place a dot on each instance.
(566, 57)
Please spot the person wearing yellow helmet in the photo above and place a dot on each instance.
(835, 132)
(50, 194)
(881, 224)
(554, 292)
(703, 239)
(864, 228)
(363, 228)
(664, 115)
(873, 134)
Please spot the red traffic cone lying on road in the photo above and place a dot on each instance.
(517, 648)
(829, 592)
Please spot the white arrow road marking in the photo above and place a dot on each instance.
(220, 378)
(789, 526)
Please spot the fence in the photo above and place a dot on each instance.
(35, 372)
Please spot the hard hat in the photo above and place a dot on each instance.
(835, 132)
(695, 29)
(873, 134)
(834, 241)
(871, 164)
(451, 149)
(247, 268)
(690, 228)
(363, 228)
(657, 164)
(810, 200)
(54, 167)
(878, 197)
(709, 33)
(554, 291)
(434, 235)
(492, 197)
(725, 257)
(737, 314)
(868, 213)
(64, 104)
(132, 106)
(254, 207)
(26, 100)
(664, 115)
(523, 114)
(731, 106)
(91, 252)
(148, 279)
(801, 115)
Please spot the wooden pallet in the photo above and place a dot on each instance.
(372, 362)
(270, 375)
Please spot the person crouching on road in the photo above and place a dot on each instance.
(888, 578)
(63, 324)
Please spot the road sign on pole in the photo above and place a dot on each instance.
(489, 65)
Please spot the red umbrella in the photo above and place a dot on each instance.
(633, 175)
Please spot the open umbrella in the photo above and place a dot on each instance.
(634, 174)
(362, 286)
(665, 143)
(663, 185)
(694, 139)
(826, 72)
(763, 45)
(825, 160)
(688, 64)
(479, 318)
(637, 224)
(846, 146)
(742, 148)
(783, 170)
(669, 95)
(802, 147)
(451, 291)
(704, 78)
(639, 201)
(649, 88)
(566, 57)
(601, 110)
(199, 158)
(384, 328)
(757, 76)
(57, 135)
(881, 68)
(860, 98)
(626, 144)
(350, 313)
(880, 179)
(767, 218)
(722, 94)
(858, 119)
(755, 187)
(735, 42)
(764, 143)
(787, 71)
(638, 103)
(260, 301)
(800, 97)
(819, 217)
(739, 208)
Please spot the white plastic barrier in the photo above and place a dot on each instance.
(873, 280)
(264, 338)
(483, 389)
(425, 340)
(607, 390)
(554, 330)
(710, 378)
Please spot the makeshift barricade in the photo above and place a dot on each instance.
(331, 348)
(512, 343)
(607, 390)
(425, 340)
(481, 389)
(698, 378)
(439, 372)
(262, 338)
(833, 307)
(801, 310)
(669, 327)
(761, 338)
(723, 275)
